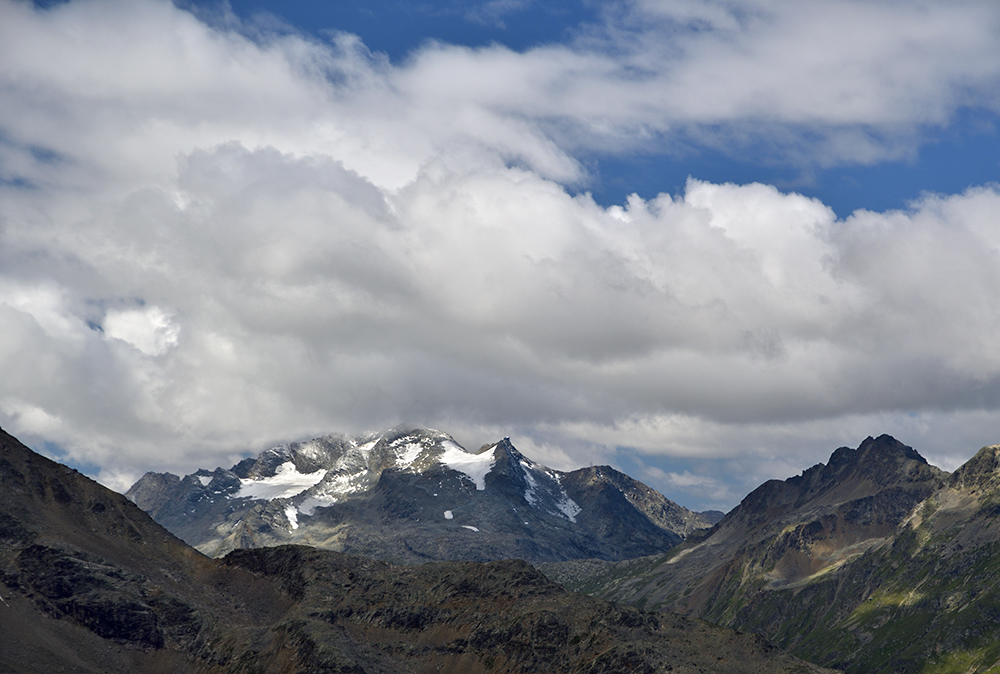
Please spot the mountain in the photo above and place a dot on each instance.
(875, 562)
(415, 495)
(89, 583)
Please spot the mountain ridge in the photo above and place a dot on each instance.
(875, 562)
(413, 495)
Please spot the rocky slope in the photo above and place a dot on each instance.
(415, 495)
(89, 583)
(874, 563)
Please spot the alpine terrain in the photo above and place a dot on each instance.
(90, 584)
(415, 495)
(875, 562)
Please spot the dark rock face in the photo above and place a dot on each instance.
(102, 597)
(90, 584)
(412, 496)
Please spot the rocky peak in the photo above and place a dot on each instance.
(979, 474)
(508, 464)
(623, 494)
(414, 494)
(876, 465)
(882, 477)
(150, 490)
(883, 460)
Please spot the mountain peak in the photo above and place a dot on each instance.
(887, 445)
(872, 451)
(414, 495)
(980, 473)
(878, 465)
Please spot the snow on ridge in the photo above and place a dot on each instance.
(285, 483)
(529, 493)
(312, 449)
(409, 454)
(347, 482)
(567, 506)
(204, 479)
(474, 466)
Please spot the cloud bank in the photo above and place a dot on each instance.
(214, 237)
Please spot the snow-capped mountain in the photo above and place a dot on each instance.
(414, 495)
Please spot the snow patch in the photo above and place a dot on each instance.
(448, 515)
(347, 483)
(529, 493)
(568, 507)
(409, 454)
(293, 516)
(310, 503)
(310, 450)
(474, 466)
(285, 483)
(204, 479)
(466, 526)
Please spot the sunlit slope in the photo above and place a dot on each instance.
(874, 563)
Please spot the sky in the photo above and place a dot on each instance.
(704, 241)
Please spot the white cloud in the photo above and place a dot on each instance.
(281, 237)
(148, 329)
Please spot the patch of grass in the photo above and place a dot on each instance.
(978, 661)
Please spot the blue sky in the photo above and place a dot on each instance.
(705, 241)
(948, 158)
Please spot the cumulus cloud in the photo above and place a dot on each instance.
(210, 241)
(149, 329)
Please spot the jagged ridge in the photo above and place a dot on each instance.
(415, 495)
(875, 562)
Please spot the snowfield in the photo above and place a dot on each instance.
(474, 466)
(285, 483)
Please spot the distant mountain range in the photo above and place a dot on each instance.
(89, 584)
(415, 495)
(875, 563)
